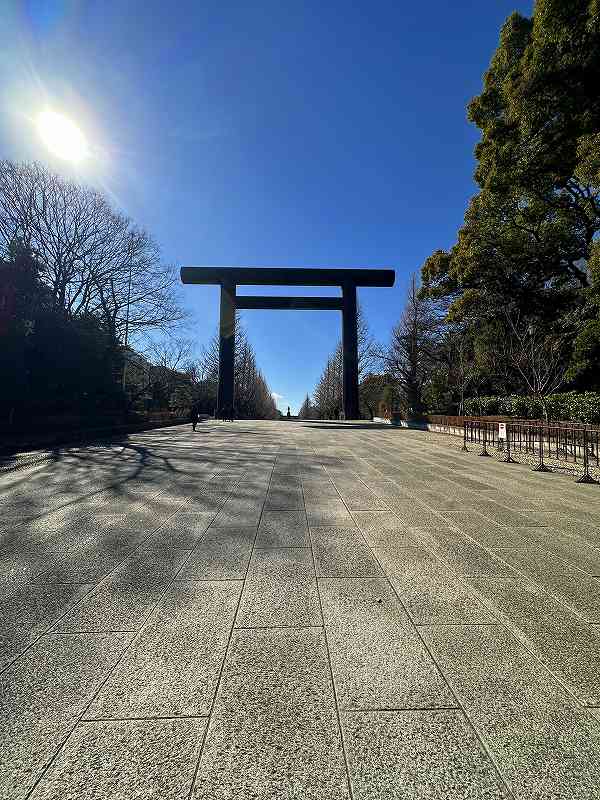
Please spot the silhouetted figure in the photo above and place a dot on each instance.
(288, 412)
(194, 417)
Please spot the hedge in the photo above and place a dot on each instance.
(567, 406)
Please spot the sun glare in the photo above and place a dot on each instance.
(62, 136)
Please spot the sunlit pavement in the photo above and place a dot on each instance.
(297, 610)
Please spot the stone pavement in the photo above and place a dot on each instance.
(297, 610)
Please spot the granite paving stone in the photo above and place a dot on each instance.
(421, 754)
(329, 513)
(274, 732)
(407, 559)
(342, 552)
(369, 520)
(238, 512)
(378, 659)
(358, 497)
(319, 490)
(280, 590)
(150, 567)
(463, 555)
(42, 695)
(485, 532)
(125, 758)
(81, 567)
(543, 742)
(287, 499)
(113, 606)
(173, 665)
(283, 529)
(31, 610)
(223, 554)
(576, 591)
(436, 598)
(560, 639)
(182, 531)
(413, 514)
(567, 546)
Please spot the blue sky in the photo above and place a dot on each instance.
(267, 133)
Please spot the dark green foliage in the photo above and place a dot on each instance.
(50, 363)
(565, 406)
(527, 254)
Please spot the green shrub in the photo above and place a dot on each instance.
(567, 406)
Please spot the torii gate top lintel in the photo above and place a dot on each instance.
(231, 277)
(288, 276)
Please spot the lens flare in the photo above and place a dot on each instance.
(61, 136)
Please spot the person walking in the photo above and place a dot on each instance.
(194, 417)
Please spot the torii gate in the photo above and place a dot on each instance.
(229, 278)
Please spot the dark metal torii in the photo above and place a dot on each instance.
(229, 278)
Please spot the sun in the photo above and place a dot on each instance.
(62, 136)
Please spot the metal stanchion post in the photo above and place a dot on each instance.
(484, 452)
(464, 448)
(509, 459)
(586, 477)
(540, 466)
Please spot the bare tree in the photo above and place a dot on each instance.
(328, 394)
(369, 350)
(413, 351)
(252, 394)
(93, 260)
(306, 409)
(539, 357)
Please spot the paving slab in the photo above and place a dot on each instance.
(274, 732)
(283, 529)
(223, 554)
(406, 559)
(465, 556)
(567, 546)
(558, 637)
(239, 512)
(544, 743)
(414, 514)
(42, 696)
(288, 498)
(377, 657)
(342, 552)
(172, 667)
(329, 513)
(280, 590)
(113, 606)
(421, 754)
(437, 598)
(358, 497)
(149, 567)
(182, 531)
(125, 758)
(461, 618)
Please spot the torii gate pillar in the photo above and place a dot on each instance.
(226, 347)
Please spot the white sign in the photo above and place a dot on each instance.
(502, 430)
